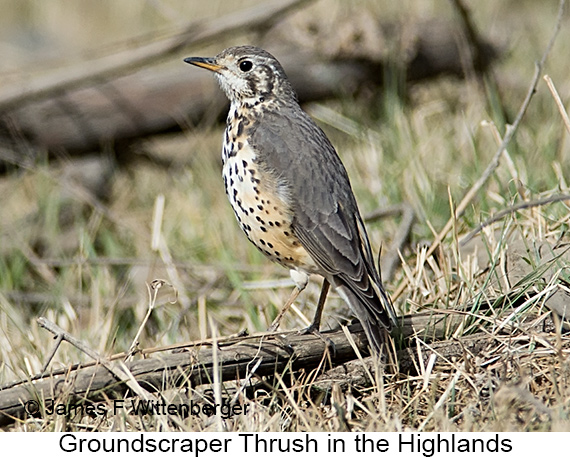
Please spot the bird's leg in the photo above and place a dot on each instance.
(301, 279)
(296, 291)
(316, 324)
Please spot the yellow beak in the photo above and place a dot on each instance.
(205, 62)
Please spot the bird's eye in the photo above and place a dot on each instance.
(245, 65)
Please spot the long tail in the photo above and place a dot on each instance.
(374, 311)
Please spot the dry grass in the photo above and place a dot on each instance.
(84, 267)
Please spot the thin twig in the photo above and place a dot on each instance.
(510, 131)
(558, 101)
(381, 213)
(58, 340)
(392, 260)
(157, 218)
(476, 44)
(506, 157)
(121, 373)
(442, 399)
(153, 289)
(513, 209)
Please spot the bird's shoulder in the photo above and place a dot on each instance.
(292, 146)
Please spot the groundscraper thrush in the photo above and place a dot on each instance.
(290, 192)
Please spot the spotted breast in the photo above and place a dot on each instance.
(260, 202)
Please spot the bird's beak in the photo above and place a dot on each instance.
(204, 62)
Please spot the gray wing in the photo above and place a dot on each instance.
(325, 215)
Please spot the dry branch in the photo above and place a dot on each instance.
(513, 209)
(118, 64)
(118, 371)
(115, 99)
(193, 364)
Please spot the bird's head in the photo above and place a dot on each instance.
(248, 75)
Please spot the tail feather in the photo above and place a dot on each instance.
(372, 314)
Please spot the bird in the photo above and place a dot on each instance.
(291, 193)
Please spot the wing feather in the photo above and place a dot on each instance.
(326, 219)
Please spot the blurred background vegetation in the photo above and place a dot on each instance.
(76, 231)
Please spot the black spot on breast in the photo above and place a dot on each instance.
(251, 171)
(277, 253)
(240, 128)
(239, 145)
(251, 210)
(263, 229)
(259, 207)
(277, 224)
(286, 233)
(262, 241)
(270, 245)
(244, 163)
(258, 219)
(271, 224)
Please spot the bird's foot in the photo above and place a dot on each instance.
(284, 343)
(311, 329)
(314, 330)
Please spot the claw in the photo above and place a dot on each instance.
(312, 329)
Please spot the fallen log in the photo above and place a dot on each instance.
(120, 98)
(193, 364)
